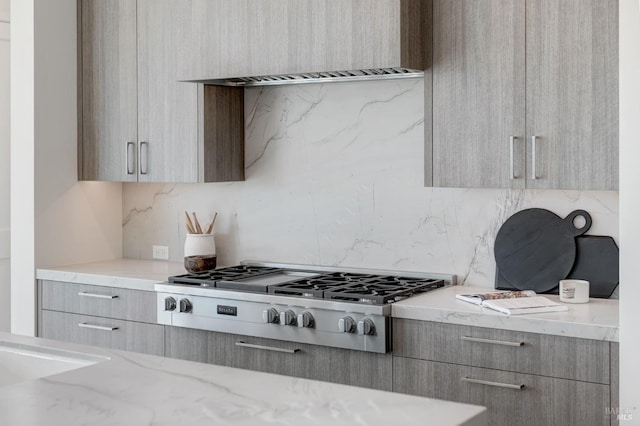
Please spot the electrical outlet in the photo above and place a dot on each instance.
(161, 252)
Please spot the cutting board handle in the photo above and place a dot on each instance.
(573, 215)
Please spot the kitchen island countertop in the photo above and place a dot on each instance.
(596, 320)
(134, 389)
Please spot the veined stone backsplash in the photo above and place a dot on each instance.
(334, 176)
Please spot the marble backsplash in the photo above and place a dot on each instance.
(334, 176)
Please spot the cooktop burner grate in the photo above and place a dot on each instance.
(209, 278)
(362, 288)
(339, 286)
(380, 293)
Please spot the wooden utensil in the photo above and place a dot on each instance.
(195, 219)
(210, 226)
(190, 227)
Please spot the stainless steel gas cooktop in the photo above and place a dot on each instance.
(339, 307)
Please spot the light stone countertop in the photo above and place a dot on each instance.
(597, 319)
(125, 273)
(134, 389)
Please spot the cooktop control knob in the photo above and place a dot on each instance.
(366, 327)
(305, 319)
(346, 325)
(270, 316)
(170, 304)
(185, 306)
(287, 317)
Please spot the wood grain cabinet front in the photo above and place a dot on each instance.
(532, 353)
(110, 302)
(109, 317)
(524, 94)
(139, 121)
(522, 378)
(510, 398)
(343, 366)
(104, 332)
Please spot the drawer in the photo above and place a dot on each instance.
(110, 302)
(103, 332)
(541, 401)
(553, 356)
(356, 368)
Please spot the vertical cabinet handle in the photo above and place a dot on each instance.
(144, 158)
(131, 155)
(512, 141)
(534, 174)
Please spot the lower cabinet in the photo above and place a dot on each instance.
(522, 378)
(104, 332)
(343, 366)
(510, 398)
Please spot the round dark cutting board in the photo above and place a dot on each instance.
(535, 248)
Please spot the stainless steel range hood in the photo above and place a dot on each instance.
(315, 41)
(317, 77)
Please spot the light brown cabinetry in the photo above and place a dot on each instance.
(109, 317)
(522, 378)
(524, 94)
(143, 122)
(108, 146)
(510, 398)
(344, 366)
(139, 121)
(103, 332)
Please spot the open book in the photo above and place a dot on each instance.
(513, 302)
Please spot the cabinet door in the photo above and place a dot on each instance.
(167, 107)
(103, 332)
(541, 400)
(343, 366)
(109, 99)
(572, 94)
(478, 94)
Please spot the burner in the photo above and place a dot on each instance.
(316, 286)
(209, 278)
(362, 288)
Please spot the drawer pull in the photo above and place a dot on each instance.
(488, 383)
(96, 327)
(96, 295)
(266, 348)
(493, 342)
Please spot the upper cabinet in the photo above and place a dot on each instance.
(139, 121)
(109, 138)
(524, 94)
(142, 120)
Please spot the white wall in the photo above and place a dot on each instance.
(55, 220)
(22, 170)
(5, 277)
(629, 208)
(4, 10)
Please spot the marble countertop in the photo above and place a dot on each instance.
(125, 273)
(135, 389)
(597, 319)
